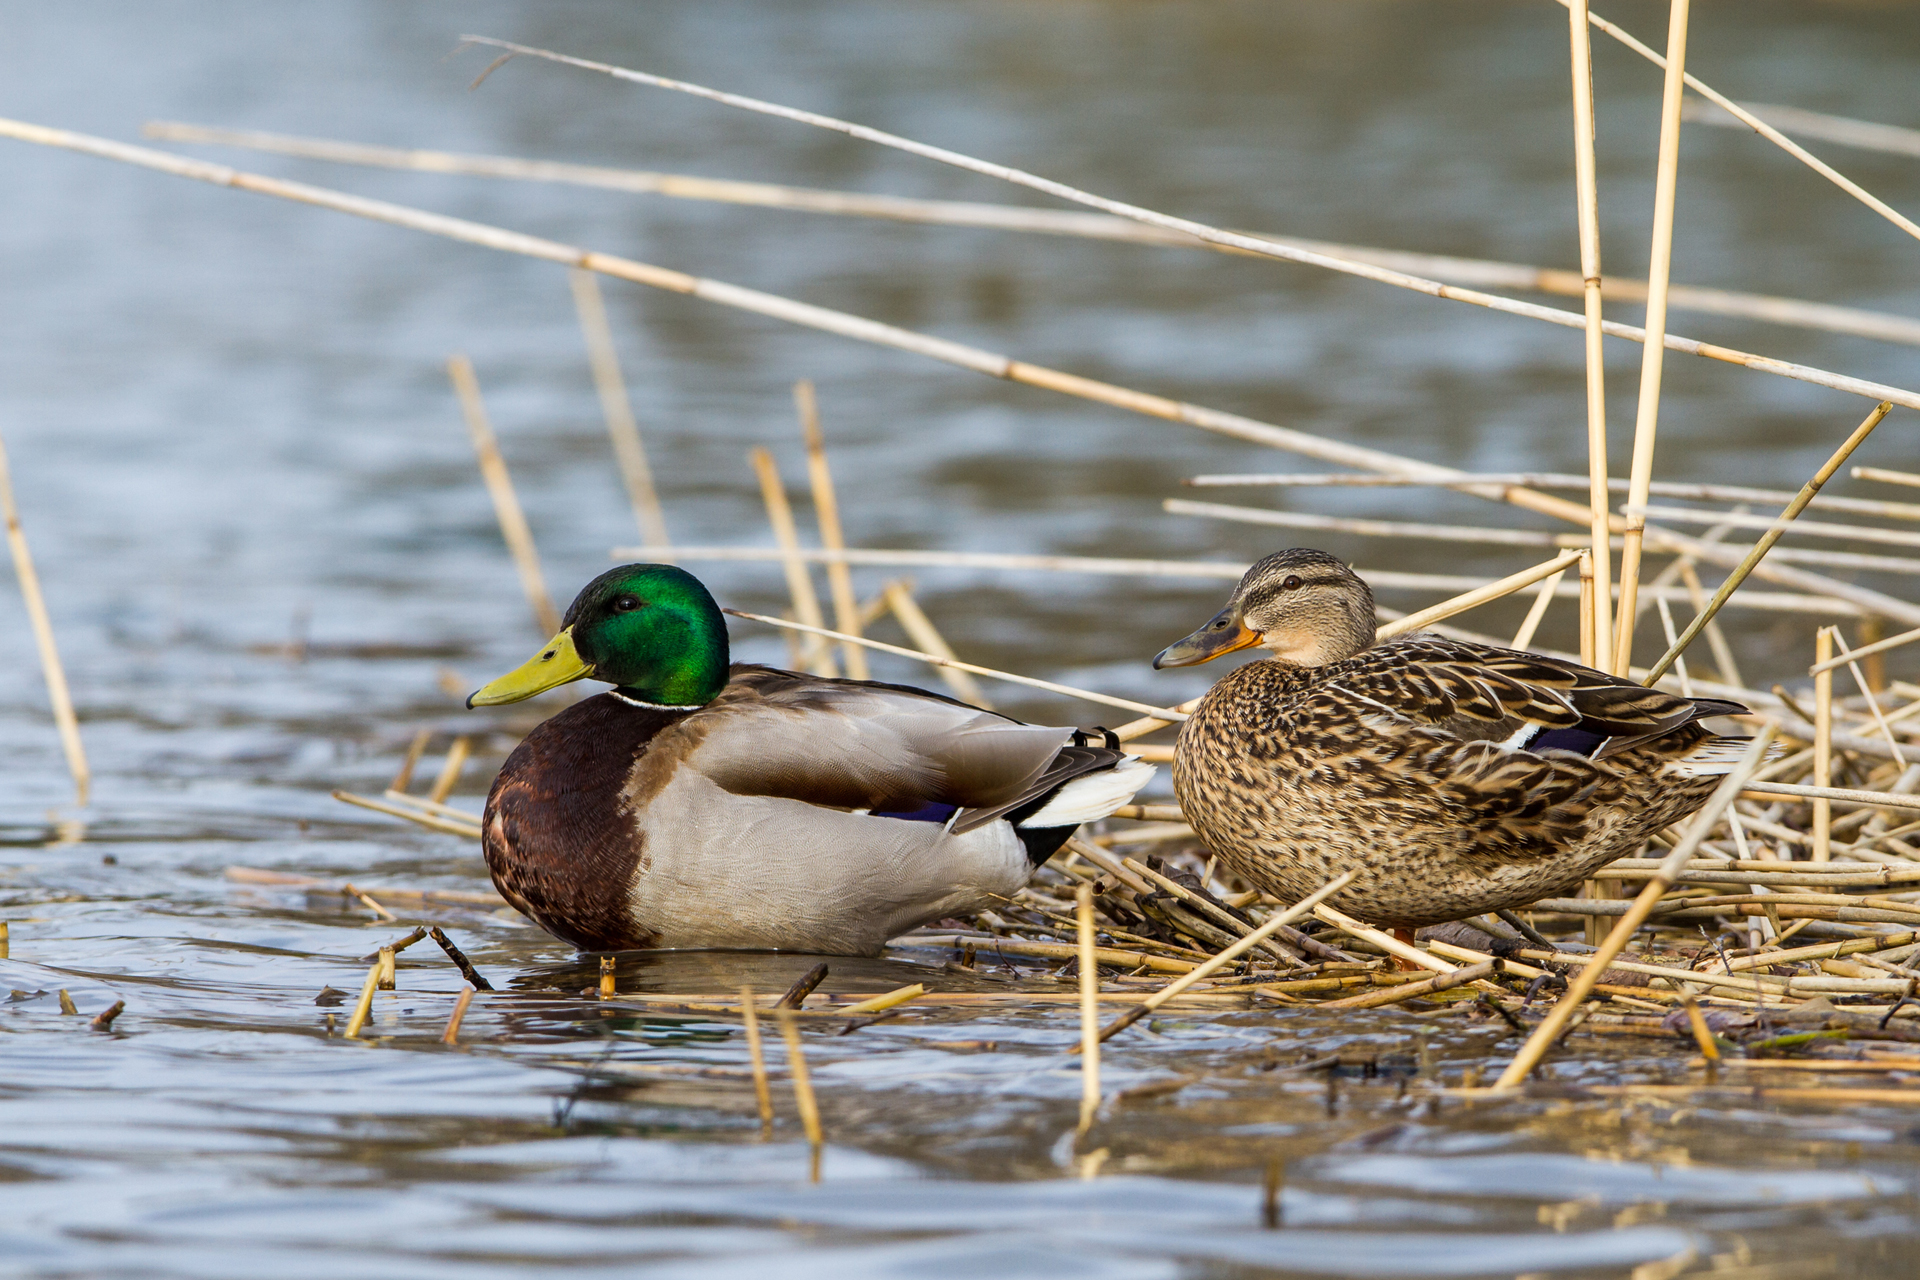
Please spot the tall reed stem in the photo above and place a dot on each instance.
(51, 669)
(1653, 354)
(1587, 198)
(826, 507)
(816, 657)
(622, 428)
(506, 505)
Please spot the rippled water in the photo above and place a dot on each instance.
(229, 428)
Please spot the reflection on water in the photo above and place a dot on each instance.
(255, 511)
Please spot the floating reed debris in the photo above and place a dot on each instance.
(452, 1034)
(622, 427)
(802, 1089)
(750, 1015)
(1005, 217)
(1090, 1036)
(51, 669)
(364, 1005)
(103, 1021)
(608, 989)
(66, 1003)
(506, 506)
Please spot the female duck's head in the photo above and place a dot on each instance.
(652, 630)
(1306, 606)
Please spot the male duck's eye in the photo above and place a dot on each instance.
(1292, 583)
(626, 604)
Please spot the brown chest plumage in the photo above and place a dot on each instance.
(559, 839)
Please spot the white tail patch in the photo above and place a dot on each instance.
(1716, 757)
(1093, 795)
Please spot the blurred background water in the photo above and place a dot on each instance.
(230, 427)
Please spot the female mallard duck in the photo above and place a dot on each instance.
(1454, 777)
(699, 804)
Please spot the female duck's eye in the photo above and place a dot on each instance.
(1292, 583)
(626, 604)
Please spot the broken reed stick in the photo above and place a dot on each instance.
(920, 629)
(1886, 476)
(452, 1034)
(1848, 132)
(806, 603)
(609, 980)
(1587, 201)
(1581, 986)
(826, 509)
(1381, 939)
(1492, 591)
(802, 1088)
(1765, 130)
(756, 1055)
(1823, 746)
(1541, 599)
(1099, 226)
(1807, 528)
(1653, 354)
(404, 778)
(506, 505)
(384, 963)
(1279, 920)
(623, 430)
(51, 670)
(934, 660)
(459, 958)
(1865, 650)
(364, 1005)
(103, 1020)
(1751, 561)
(884, 1001)
(450, 772)
(1252, 244)
(1413, 990)
(1214, 914)
(432, 822)
(1702, 1035)
(1090, 1036)
(1850, 658)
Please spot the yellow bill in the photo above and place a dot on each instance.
(556, 664)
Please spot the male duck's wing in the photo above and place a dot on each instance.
(865, 745)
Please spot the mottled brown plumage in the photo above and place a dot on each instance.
(1455, 778)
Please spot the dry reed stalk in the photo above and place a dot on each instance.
(506, 506)
(432, 822)
(103, 1020)
(1751, 561)
(826, 507)
(802, 987)
(802, 1089)
(1492, 591)
(1216, 569)
(1253, 244)
(817, 658)
(6, 941)
(1413, 990)
(920, 630)
(1653, 354)
(67, 1006)
(1703, 822)
(1443, 268)
(1807, 528)
(1274, 924)
(365, 1004)
(1587, 199)
(937, 661)
(1385, 941)
(1761, 127)
(459, 958)
(1864, 134)
(1823, 746)
(1115, 957)
(1723, 657)
(1886, 476)
(886, 1000)
(450, 771)
(1225, 919)
(1673, 640)
(1118, 868)
(1089, 1009)
(623, 430)
(609, 987)
(1865, 650)
(367, 901)
(404, 778)
(1541, 599)
(750, 1015)
(384, 962)
(1557, 480)
(452, 1034)
(1587, 633)
(1850, 658)
(51, 669)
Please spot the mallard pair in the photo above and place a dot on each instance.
(705, 803)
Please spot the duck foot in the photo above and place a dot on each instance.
(1400, 963)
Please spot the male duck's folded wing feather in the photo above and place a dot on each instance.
(859, 745)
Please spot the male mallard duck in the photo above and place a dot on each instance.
(702, 804)
(1454, 777)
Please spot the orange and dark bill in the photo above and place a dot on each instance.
(1223, 634)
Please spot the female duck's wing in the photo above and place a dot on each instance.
(864, 745)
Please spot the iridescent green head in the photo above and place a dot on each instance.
(651, 629)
